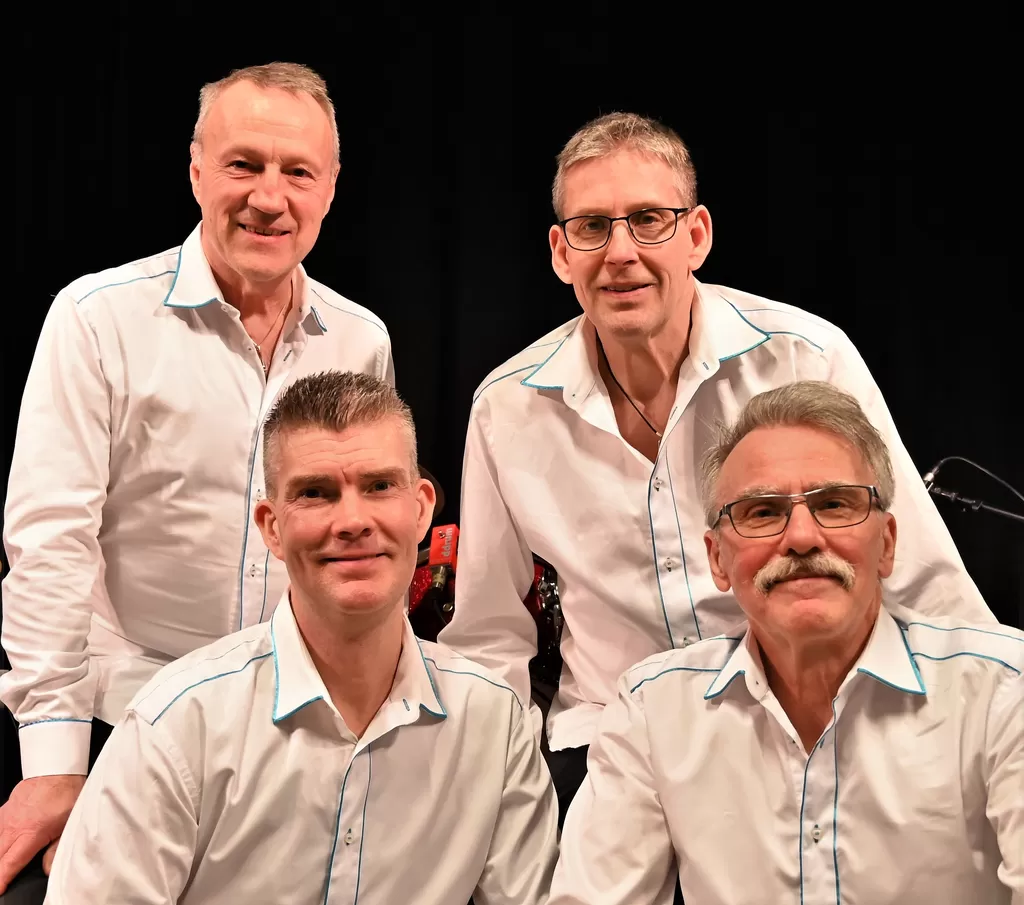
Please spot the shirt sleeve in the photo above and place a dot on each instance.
(52, 517)
(524, 846)
(491, 624)
(929, 576)
(1004, 757)
(616, 848)
(131, 837)
(388, 370)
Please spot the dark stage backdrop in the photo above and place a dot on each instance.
(862, 174)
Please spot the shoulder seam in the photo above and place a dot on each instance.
(460, 672)
(377, 322)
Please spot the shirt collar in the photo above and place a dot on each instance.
(885, 658)
(718, 332)
(194, 285)
(298, 684)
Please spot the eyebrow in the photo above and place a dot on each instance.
(768, 490)
(398, 475)
(644, 206)
(243, 150)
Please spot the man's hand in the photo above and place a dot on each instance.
(33, 819)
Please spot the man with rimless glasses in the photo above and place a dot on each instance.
(838, 747)
(583, 448)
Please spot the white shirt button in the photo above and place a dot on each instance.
(252, 571)
(816, 833)
(669, 563)
(657, 483)
(687, 641)
(349, 837)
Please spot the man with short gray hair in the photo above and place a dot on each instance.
(582, 449)
(328, 755)
(128, 516)
(837, 746)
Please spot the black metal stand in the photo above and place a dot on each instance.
(972, 504)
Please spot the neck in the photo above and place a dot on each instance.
(356, 658)
(251, 299)
(647, 365)
(806, 677)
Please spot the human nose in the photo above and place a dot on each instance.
(351, 516)
(621, 247)
(268, 193)
(803, 534)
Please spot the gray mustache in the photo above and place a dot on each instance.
(815, 565)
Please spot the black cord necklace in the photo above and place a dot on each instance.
(615, 379)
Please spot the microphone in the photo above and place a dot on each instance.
(969, 503)
(432, 592)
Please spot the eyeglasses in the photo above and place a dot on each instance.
(651, 226)
(842, 506)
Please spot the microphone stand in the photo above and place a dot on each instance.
(972, 504)
(965, 501)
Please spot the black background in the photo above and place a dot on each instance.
(854, 166)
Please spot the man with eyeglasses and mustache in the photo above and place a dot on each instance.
(836, 747)
(583, 448)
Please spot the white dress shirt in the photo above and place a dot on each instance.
(914, 794)
(233, 778)
(138, 459)
(547, 472)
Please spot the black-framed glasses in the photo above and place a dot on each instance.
(766, 515)
(651, 226)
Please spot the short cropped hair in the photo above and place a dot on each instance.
(805, 403)
(293, 77)
(332, 401)
(615, 131)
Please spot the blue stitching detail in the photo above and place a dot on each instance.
(122, 283)
(174, 282)
(810, 318)
(456, 672)
(968, 653)
(54, 720)
(665, 672)
(444, 713)
(682, 553)
(764, 333)
(744, 352)
(496, 379)
(803, 800)
(525, 381)
(209, 679)
(319, 321)
(245, 523)
(343, 311)
(191, 666)
(835, 802)
(277, 685)
(337, 829)
(654, 546)
(725, 687)
(798, 336)
(362, 831)
(965, 628)
(266, 576)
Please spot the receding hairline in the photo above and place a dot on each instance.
(293, 78)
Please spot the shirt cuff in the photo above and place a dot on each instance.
(55, 747)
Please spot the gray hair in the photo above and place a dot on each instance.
(805, 403)
(333, 401)
(293, 77)
(614, 131)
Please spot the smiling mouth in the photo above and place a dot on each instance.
(630, 287)
(832, 578)
(367, 558)
(263, 231)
